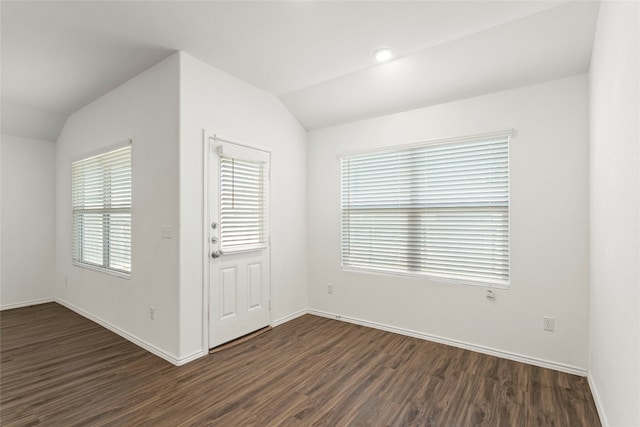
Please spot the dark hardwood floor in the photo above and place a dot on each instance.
(59, 369)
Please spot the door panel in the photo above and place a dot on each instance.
(255, 285)
(239, 273)
(229, 292)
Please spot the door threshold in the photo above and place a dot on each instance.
(240, 340)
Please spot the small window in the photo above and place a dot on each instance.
(101, 199)
(438, 210)
(242, 204)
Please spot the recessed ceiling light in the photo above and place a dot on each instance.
(383, 55)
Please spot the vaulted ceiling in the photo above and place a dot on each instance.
(316, 56)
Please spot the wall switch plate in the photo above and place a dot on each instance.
(330, 288)
(152, 313)
(549, 323)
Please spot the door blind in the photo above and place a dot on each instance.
(438, 210)
(242, 204)
(101, 199)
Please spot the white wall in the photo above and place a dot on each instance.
(144, 109)
(164, 111)
(549, 227)
(615, 214)
(222, 104)
(28, 221)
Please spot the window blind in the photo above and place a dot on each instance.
(242, 204)
(438, 210)
(101, 199)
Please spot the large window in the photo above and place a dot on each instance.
(437, 210)
(101, 199)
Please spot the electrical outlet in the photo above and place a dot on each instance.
(549, 323)
(152, 313)
(330, 288)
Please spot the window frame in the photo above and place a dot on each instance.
(104, 267)
(509, 135)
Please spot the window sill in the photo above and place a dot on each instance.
(460, 281)
(108, 271)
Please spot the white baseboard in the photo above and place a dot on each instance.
(190, 358)
(460, 344)
(137, 341)
(289, 317)
(596, 397)
(26, 303)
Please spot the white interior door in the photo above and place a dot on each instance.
(239, 250)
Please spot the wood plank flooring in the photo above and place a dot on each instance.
(59, 369)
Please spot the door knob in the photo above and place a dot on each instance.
(216, 254)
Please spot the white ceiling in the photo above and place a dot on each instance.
(314, 55)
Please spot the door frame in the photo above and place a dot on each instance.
(209, 139)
